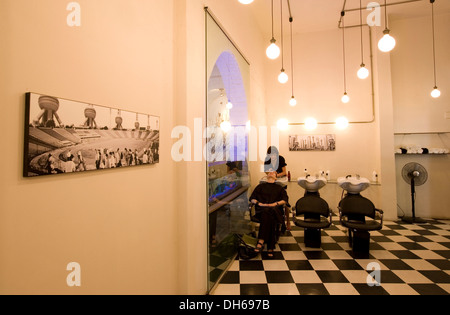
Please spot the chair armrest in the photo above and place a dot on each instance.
(341, 216)
(340, 212)
(250, 210)
(381, 212)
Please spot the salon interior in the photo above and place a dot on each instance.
(353, 94)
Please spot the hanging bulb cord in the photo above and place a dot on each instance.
(434, 43)
(385, 15)
(291, 20)
(282, 45)
(360, 20)
(273, 33)
(343, 48)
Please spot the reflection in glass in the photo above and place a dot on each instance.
(227, 166)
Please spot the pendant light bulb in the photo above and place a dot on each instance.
(387, 42)
(273, 51)
(363, 73)
(283, 77)
(225, 126)
(310, 123)
(283, 124)
(293, 101)
(229, 105)
(245, 1)
(345, 99)
(342, 123)
(435, 93)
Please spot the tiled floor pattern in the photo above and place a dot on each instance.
(414, 260)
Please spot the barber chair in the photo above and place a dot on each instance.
(354, 210)
(316, 216)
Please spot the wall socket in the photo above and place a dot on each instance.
(447, 115)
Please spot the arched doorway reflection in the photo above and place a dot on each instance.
(227, 165)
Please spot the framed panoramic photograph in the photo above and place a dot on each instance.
(65, 136)
(312, 143)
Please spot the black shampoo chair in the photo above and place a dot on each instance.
(353, 211)
(254, 217)
(316, 216)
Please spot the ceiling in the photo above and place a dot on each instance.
(320, 15)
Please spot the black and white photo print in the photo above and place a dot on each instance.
(312, 143)
(65, 136)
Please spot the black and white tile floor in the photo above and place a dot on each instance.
(414, 260)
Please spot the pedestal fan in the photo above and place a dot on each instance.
(415, 175)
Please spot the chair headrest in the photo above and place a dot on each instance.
(312, 204)
(357, 204)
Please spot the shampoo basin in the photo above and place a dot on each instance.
(311, 183)
(353, 185)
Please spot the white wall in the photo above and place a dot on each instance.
(415, 111)
(118, 224)
(412, 74)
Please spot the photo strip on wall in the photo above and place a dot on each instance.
(65, 136)
(312, 143)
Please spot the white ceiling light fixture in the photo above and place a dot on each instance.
(273, 51)
(293, 101)
(435, 93)
(342, 123)
(387, 42)
(363, 73)
(283, 77)
(345, 99)
(310, 123)
(225, 126)
(283, 124)
(245, 1)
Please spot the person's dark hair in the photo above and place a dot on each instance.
(273, 149)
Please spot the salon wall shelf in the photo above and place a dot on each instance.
(421, 133)
(422, 154)
(334, 181)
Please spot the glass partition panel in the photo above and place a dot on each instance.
(226, 148)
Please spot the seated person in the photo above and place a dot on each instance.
(234, 167)
(269, 199)
(276, 161)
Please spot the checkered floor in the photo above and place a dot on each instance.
(414, 260)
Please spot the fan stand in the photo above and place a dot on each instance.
(413, 219)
